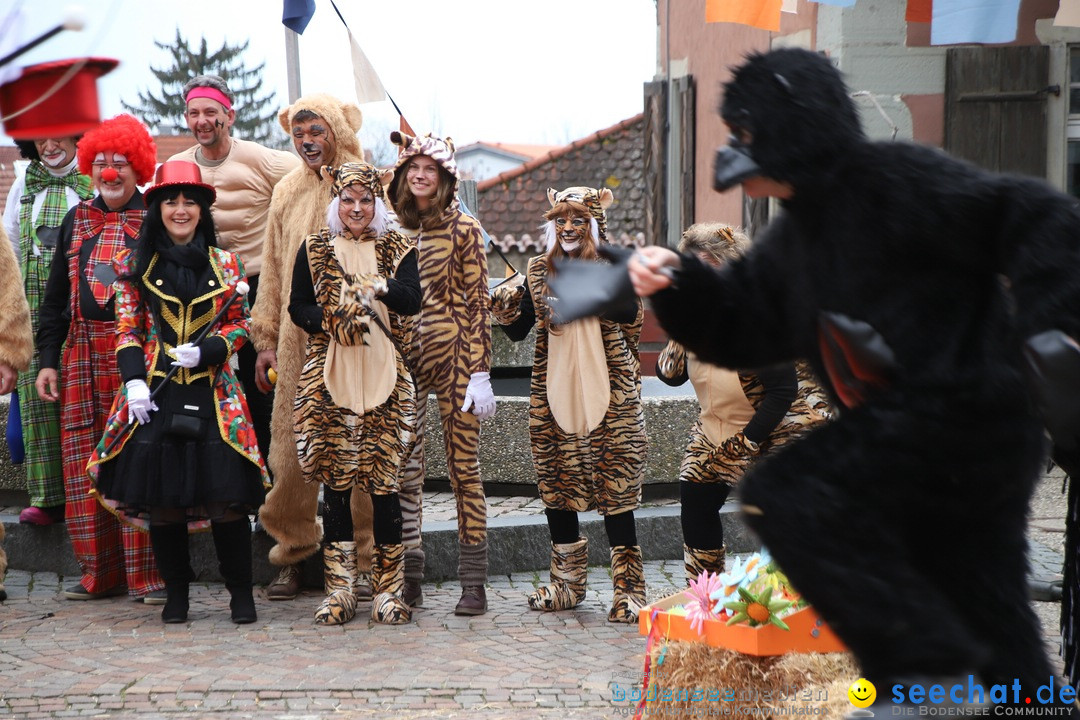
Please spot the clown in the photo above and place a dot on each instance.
(39, 199)
(78, 319)
(586, 422)
(354, 289)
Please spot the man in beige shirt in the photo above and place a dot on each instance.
(244, 174)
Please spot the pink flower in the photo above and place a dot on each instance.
(699, 606)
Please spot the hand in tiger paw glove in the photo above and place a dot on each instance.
(365, 288)
(738, 447)
(138, 401)
(479, 396)
(187, 355)
(506, 302)
(346, 323)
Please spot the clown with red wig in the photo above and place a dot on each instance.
(76, 340)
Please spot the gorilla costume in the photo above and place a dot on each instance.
(911, 281)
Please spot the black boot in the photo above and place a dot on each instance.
(170, 545)
(232, 540)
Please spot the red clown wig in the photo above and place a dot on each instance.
(125, 135)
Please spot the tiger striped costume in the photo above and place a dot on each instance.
(604, 470)
(452, 343)
(355, 289)
(588, 435)
(335, 446)
(718, 452)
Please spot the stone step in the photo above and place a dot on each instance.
(516, 542)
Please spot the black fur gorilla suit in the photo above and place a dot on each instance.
(910, 280)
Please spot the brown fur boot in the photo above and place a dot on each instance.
(569, 569)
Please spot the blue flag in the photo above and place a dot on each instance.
(298, 14)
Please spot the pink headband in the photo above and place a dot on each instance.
(209, 92)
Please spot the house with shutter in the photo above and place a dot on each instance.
(1012, 107)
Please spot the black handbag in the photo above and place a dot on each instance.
(188, 409)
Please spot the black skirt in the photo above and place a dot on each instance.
(181, 463)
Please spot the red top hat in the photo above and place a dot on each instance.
(70, 110)
(177, 173)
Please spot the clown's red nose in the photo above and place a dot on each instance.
(109, 174)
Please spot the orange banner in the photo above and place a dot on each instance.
(764, 14)
(919, 11)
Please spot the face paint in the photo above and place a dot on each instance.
(56, 152)
(113, 178)
(207, 119)
(571, 230)
(314, 141)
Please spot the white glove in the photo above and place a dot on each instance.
(187, 355)
(479, 396)
(138, 398)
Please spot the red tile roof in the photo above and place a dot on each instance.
(525, 151)
(511, 204)
(169, 145)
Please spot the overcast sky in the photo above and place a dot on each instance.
(517, 71)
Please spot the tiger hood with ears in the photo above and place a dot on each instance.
(441, 150)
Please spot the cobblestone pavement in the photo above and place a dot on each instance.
(114, 658)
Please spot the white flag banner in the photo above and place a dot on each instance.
(369, 87)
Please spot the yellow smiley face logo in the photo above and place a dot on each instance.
(862, 693)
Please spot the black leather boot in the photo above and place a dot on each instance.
(170, 545)
(232, 540)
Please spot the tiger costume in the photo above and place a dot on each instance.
(451, 357)
(743, 415)
(586, 423)
(355, 287)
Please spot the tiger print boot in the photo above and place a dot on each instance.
(697, 561)
(569, 570)
(628, 578)
(388, 580)
(339, 575)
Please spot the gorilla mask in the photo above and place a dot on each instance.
(791, 118)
